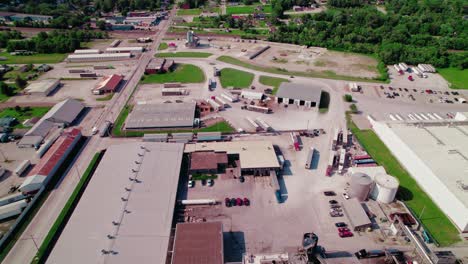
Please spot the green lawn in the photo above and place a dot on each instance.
(183, 54)
(184, 73)
(35, 59)
(105, 98)
(231, 10)
(189, 12)
(456, 77)
(236, 78)
(272, 81)
(163, 46)
(11, 75)
(314, 74)
(22, 115)
(433, 219)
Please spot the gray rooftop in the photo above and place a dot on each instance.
(143, 233)
(356, 213)
(161, 115)
(65, 111)
(306, 92)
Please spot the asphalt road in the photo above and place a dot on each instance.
(26, 247)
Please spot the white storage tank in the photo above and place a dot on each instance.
(360, 186)
(386, 187)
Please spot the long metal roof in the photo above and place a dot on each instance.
(161, 115)
(125, 214)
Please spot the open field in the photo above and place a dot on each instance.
(434, 220)
(183, 55)
(189, 12)
(235, 78)
(272, 81)
(456, 77)
(163, 46)
(230, 10)
(184, 73)
(24, 113)
(313, 74)
(35, 59)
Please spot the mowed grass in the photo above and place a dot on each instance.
(236, 78)
(433, 219)
(456, 77)
(35, 59)
(313, 74)
(189, 12)
(184, 73)
(24, 114)
(163, 46)
(231, 10)
(183, 54)
(272, 81)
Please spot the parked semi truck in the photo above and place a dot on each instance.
(310, 158)
(105, 129)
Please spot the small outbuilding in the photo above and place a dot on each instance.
(44, 87)
(307, 95)
(358, 218)
(109, 84)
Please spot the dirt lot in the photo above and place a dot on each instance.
(79, 89)
(291, 57)
(304, 209)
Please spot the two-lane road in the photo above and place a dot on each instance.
(26, 247)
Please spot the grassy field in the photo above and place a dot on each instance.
(189, 12)
(272, 81)
(105, 98)
(456, 77)
(314, 74)
(235, 78)
(231, 10)
(11, 75)
(35, 59)
(59, 224)
(183, 54)
(433, 219)
(163, 46)
(184, 73)
(24, 113)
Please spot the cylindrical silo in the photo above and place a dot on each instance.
(386, 188)
(360, 186)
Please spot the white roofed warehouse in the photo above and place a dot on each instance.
(131, 50)
(98, 57)
(44, 87)
(299, 94)
(125, 214)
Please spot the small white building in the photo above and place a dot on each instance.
(87, 51)
(131, 50)
(251, 95)
(44, 87)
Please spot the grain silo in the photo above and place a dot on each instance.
(360, 186)
(385, 189)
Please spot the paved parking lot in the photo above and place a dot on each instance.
(265, 222)
(433, 80)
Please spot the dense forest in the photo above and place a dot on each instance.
(428, 31)
(52, 42)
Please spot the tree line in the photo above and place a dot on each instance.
(53, 42)
(430, 31)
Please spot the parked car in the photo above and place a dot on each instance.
(191, 184)
(210, 182)
(329, 193)
(410, 78)
(346, 196)
(343, 229)
(341, 224)
(335, 214)
(239, 202)
(203, 182)
(246, 202)
(241, 179)
(335, 206)
(227, 202)
(332, 202)
(345, 234)
(233, 202)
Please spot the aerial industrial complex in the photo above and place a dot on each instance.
(155, 140)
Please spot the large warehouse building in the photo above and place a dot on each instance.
(299, 94)
(148, 116)
(436, 156)
(125, 214)
(255, 157)
(44, 87)
(98, 57)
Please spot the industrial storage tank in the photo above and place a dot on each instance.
(360, 186)
(386, 187)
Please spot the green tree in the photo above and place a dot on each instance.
(101, 24)
(20, 82)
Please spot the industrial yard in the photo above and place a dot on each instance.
(158, 149)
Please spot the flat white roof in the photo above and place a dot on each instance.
(102, 55)
(436, 156)
(44, 86)
(87, 51)
(252, 154)
(143, 212)
(125, 49)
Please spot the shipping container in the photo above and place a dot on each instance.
(12, 209)
(364, 161)
(22, 167)
(253, 124)
(264, 125)
(310, 158)
(230, 97)
(18, 196)
(259, 109)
